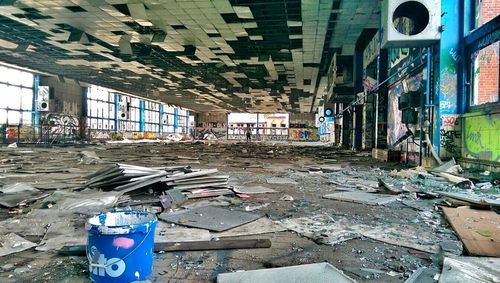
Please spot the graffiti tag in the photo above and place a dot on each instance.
(449, 139)
(449, 121)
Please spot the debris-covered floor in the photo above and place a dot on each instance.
(375, 221)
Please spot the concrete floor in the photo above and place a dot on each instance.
(272, 160)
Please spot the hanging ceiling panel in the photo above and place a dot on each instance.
(203, 55)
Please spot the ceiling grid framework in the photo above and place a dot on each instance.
(206, 55)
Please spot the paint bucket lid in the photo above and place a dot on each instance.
(121, 222)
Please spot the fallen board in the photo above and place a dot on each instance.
(470, 270)
(479, 230)
(281, 181)
(254, 190)
(311, 273)
(362, 197)
(13, 243)
(187, 246)
(474, 199)
(261, 226)
(210, 218)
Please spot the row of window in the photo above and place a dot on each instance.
(105, 108)
(16, 89)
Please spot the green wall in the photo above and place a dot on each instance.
(481, 136)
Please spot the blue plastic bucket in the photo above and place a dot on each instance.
(120, 246)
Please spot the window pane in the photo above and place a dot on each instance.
(26, 79)
(3, 74)
(13, 117)
(13, 77)
(3, 116)
(27, 99)
(26, 118)
(13, 97)
(485, 75)
(3, 93)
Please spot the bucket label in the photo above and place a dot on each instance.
(101, 266)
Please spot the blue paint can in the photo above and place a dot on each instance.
(120, 246)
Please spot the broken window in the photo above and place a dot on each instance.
(16, 89)
(100, 108)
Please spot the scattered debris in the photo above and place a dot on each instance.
(362, 197)
(257, 227)
(424, 275)
(472, 198)
(19, 195)
(286, 198)
(210, 217)
(317, 272)
(13, 243)
(470, 269)
(365, 273)
(89, 157)
(281, 181)
(73, 184)
(254, 190)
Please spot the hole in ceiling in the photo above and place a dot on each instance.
(122, 8)
(75, 9)
(411, 18)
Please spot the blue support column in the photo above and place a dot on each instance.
(450, 51)
(84, 112)
(117, 106)
(35, 115)
(176, 119)
(142, 104)
(160, 127)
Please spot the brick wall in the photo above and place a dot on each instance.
(488, 10)
(488, 58)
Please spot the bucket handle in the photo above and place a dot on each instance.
(92, 264)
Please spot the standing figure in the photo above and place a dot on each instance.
(248, 133)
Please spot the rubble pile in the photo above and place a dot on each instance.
(287, 207)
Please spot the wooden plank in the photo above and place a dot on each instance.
(225, 244)
(214, 245)
(479, 230)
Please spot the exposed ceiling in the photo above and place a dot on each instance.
(206, 55)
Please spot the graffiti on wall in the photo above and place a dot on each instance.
(60, 124)
(18, 134)
(450, 136)
(304, 135)
(449, 58)
(395, 127)
(481, 138)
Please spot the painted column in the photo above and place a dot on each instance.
(160, 126)
(35, 117)
(117, 106)
(142, 105)
(449, 91)
(176, 119)
(187, 121)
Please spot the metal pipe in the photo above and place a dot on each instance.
(423, 104)
(376, 88)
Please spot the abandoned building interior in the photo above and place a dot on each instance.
(250, 141)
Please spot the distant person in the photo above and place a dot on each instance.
(248, 133)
